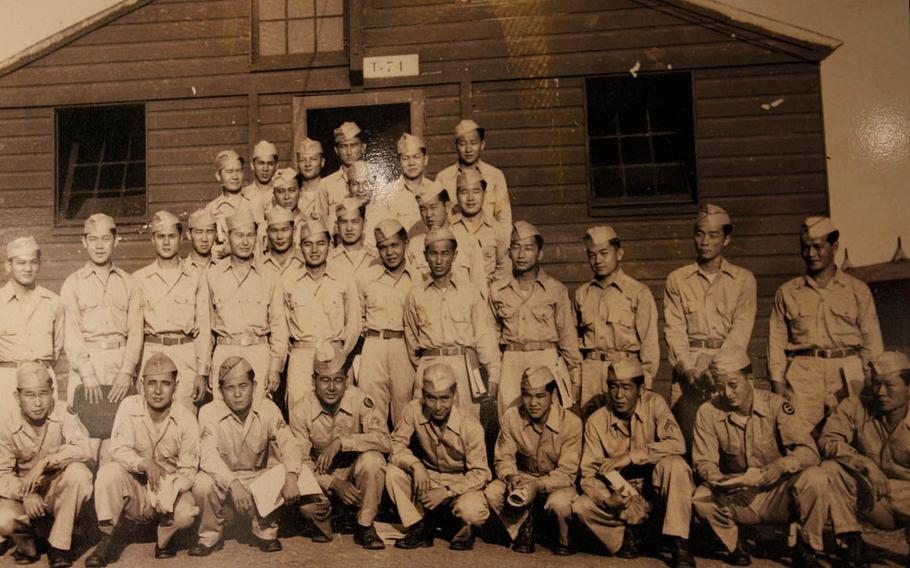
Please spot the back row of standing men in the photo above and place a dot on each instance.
(452, 285)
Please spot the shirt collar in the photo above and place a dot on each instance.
(453, 423)
(618, 279)
(7, 292)
(554, 419)
(840, 279)
(19, 420)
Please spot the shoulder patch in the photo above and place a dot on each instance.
(368, 402)
(788, 408)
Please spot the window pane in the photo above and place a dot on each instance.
(271, 9)
(302, 38)
(636, 150)
(607, 182)
(669, 148)
(89, 150)
(604, 152)
(135, 176)
(329, 7)
(300, 9)
(329, 34)
(84, 179)
(640, 181)
(272, 38)
(632, 120)
(112, 177)
(672, 180)
(115, 149)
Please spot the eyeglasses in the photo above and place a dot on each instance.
(337, 381)
(35, 395)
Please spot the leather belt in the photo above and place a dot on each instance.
(242, 341)
(299, 344)
(15, 364)
(384, 333)
(706, 343)
(594, 355)
(167, 340)
(826, 353)
(443, 352)
(107, 343)
(530, 346)
(8, 365)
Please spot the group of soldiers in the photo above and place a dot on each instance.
(329, 340)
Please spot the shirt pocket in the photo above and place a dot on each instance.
(543, 315)
(622, 320)
(461, 321)
(803, 319)
(503, 310)
(844, 314)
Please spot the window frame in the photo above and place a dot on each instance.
(298, 60)
(67, 226)
(666, 205)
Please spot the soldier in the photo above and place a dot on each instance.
(154, 459)
(757, 462)
(241, 435)
(471, 223)
(32, 327)
(248, 315)
(203, 232)
(632, 463)
(386, 373)
(867, 443)
(824, 329)
(401, 199)
(103, 320)
(537, 455)
(447, 316)
(229, 172)
(352, 256)
(438, 463)
(470, 143)
(282, 254)
(708, 306)
(264, 163)
(175, 309)
(43, 450)
(320, 307)
(349, 148)
(313, 201)
(617, 315)
(344, 439)
(535, 320)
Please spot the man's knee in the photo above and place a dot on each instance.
(110, 474)
(203, 487)
(584, 507)
(813, 480)
(8, 521)
(371, 463)
(185, 511)
(674, 465)
(495, 494)
(471, 508)
(77, 476)
(703, 501)
(560, 502)
(396, 477)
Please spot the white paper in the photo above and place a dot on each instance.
(266, 488)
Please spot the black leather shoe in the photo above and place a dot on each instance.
(102, 554)
(415, 537)
(853, 552)
(6, 545)
(270, 545)
(167, 551)
(629, 548)
(199, 549)
(682, 555)
(804, 556)
(524, 542)
(739, 557)
(563, 549)
(367, 537)
(464, 539)
(22, 558)
(57, 558)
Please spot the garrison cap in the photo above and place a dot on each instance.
(537, 377)
(201, 219)
(159, 364)
(99, 222)
(524, 230)
(627, 369)
(242, 218)
(285, 177)
(817, 227)
(328, 360)
(890, 362)
(712, 216)
(312, 227)
(233, 367)
(359, 171)
(308, 147)
(163, 220)
(22, 246)
(428, 191)
(441, 234)
(408, 144)
(278, 215)
(600, 235)
(347, 205)
(469, 177)
(264, 150)
(729, 361)
(32, 369)
(438, 377)
(225, 157)
(464, 127)
(386, 229)
(346, 131)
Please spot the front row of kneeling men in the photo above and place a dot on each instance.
(757, 463)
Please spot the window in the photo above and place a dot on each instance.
(100, 162)
(286, 32)
(641, 146)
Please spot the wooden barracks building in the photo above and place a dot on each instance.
(627, 112)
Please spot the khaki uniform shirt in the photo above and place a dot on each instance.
(356, 422)
(313, 204)
(486, 237)
(458, 447)
(335, 187)
(854, 434)
(619, 314)
(804, 315)
(346, 265)
(249, 305)
(32, 327)
(229, 447)
(196, 262)
(321, 308)
(497, 193)
(468, 263)
(400, 199)
(101, 305)
(727, 443)
(174, 446)
(227, 204)
(181, 307)
(270, 262)
(697, 308)
(62, 440)
(454, 317)
(550, 452)
(382, 296)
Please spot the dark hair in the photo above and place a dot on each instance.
(905, 376)
(728, 229)
(539, 240)
(833, 237)
(616, 243)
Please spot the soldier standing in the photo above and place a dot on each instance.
(229, 172)
(401, 199)
(282, 254)
(203, 233)
(471, 223)
(352, 256)
(313, 201)
(349, 148)
(264, 163)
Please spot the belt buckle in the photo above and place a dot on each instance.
(245, 341)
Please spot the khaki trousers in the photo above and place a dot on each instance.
(368, 475)
(184, 357)
(386, 375)
(812, 380)
(300, 375)
(469, 507)
(106, 364)
(211, 499)
(256, 355)
(557, 504)
(889, 513)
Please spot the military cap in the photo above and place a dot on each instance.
(201, 219)
(712, 216)
(159, 364)
(600, 235)
(22, 246)
(890, 362)
(328, 360)
(312, 227)
(225, 157)
(264, 150)
(233, 367)
(278, 215)
(242, 218)
(468, 178)
(285, 177)
(729, 361)
(163, 220)
(308, 147)
(465, 127)
(438, 377)
(359, 171)
(441, 234)
(32, 369)
(386, 229)
(524, 230)
(817, 227)
(537, 377)
(346, 131)
(428, 191)
(347, 206)
(409, 144)
(99, 222)
(627, 369)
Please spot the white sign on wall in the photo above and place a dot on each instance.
(386, 66)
